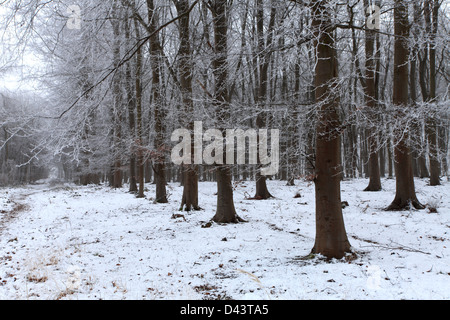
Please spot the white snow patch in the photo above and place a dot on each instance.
(72, 242)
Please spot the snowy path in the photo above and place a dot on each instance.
(92, 242)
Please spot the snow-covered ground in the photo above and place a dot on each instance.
(70, 242)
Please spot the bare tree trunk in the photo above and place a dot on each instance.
(131, 117)
(118, 103)
(417, 152)
(148, 171)
(350, 152)
(364, 153)
(431, 127)
(226, 212)
(444, 142)
(424, 86)
(382, 154)
(331, 237)
(159, 167)
(405, 190)
(390, 158)
(262, 192)
(139, 142)
(189, 172)
(293, 133)
(372, 105)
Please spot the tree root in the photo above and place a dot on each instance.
(399, 205)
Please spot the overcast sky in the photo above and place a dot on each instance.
(18, 78)
(15, 67)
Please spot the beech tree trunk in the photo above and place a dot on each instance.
(131, 117)
(443, 145)
(431, 127)
(405, 189)
(189, 172)
(226, 212)
(139, 142)
(331, 237)
(156, 54)
(372, 105)
(118, 103)
(293, 131)
(262, 192)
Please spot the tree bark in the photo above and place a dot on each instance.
(331, 237)
(138, 87)
(390, 158)
(118, 102)
(444, 143)
(262, 192)
(159, 167)
(372, 105)
(431, 126)
(293, 130)
(405, 189)
(189, 172)
(226, 212)
(131, 117)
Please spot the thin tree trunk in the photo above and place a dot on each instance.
(148, 171)
(117, 108)
(444, 142)
(416, 126)
(159, 167)
(131, 117)
(293, 127)
(138, 87)
(262, 192)
(372, 105)
(364, 153)
(189, 172)
(382, 154)
(390, 158)
(431, 126)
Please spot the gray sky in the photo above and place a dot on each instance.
(15, 64)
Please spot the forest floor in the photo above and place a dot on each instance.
(71, 242)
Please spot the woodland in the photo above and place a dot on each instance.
(359, 91)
